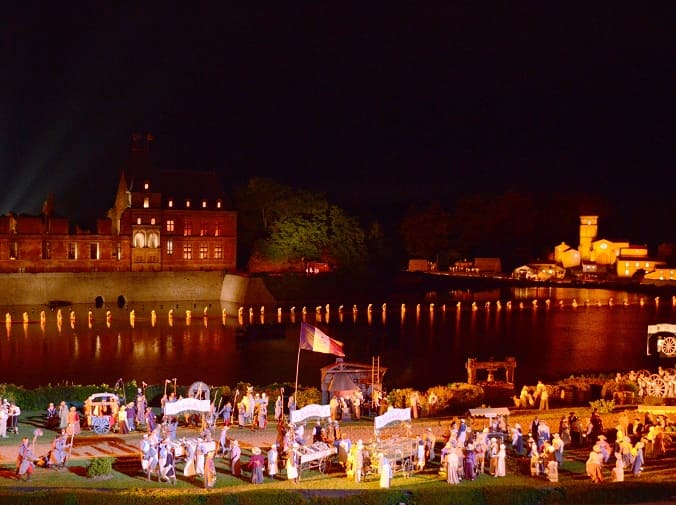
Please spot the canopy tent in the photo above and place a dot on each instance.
(342, 385)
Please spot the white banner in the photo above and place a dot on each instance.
(390, 416)
(186, 404)
(661, 327)
(300, 415)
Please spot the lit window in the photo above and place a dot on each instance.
(218, 204)
(146, 185)
(204, 229)
(204, 204)
(204, 252)
(187, 228)
(146, 202)
(119, 251)
(218, 252)
(170, 203)
(170, 247)
(138, 220)
(139, 240)
(153, 240)
(94, 251)
(152, 220)
(218, 231)
(46, 250)
(72, 250)
(170, 225)
(187, 204)
(187, 252)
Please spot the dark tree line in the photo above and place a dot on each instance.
(283, 227)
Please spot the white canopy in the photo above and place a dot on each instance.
(488, 412)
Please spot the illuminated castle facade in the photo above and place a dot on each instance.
(160, 221)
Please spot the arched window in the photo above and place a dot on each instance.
(139, 239)
(153, 240)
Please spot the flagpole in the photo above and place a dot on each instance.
(295, 391)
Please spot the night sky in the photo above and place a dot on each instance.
(371, 105)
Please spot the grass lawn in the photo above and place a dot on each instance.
(128, 485)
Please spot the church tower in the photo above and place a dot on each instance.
(588, 231)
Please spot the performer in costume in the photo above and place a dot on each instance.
(24, 461)
(209, 470)
(63, 415)
(255, 465)
(452, 465)
(235, 454)
(469, 463)
(594, 465)
(273, 456)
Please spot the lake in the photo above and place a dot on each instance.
(552, 333)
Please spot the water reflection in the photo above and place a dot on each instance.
(422, 343)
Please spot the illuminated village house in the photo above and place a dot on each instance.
(160, 221)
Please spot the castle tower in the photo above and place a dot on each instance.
(588, 231)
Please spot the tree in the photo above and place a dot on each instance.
(287, 226)
(426, 231)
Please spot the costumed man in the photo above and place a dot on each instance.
(131, 416)
(58, 454)
(255, 465)
(24, 461)
(279, 408)
(150, 419)
(52, 416)
(167, 462)
(223, 441)
(227, 413)
(63, 415)
(273, 456)
(542, 393)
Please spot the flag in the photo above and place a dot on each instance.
(314, 339)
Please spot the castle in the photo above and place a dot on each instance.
(160, 221)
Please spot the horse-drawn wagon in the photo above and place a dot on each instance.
(101, 410)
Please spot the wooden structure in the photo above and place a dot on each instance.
(342, 378)
(491, 368)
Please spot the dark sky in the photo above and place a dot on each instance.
(372, 104)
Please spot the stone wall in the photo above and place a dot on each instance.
(38, 289)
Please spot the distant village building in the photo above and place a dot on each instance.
(477, 266)
(539, 272)
(160, 221)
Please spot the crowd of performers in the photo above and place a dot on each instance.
(465, 453)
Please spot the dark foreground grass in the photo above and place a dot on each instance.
(489, 495)
(72, 486)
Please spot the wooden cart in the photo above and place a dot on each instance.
(101, 411)
(317, 456)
